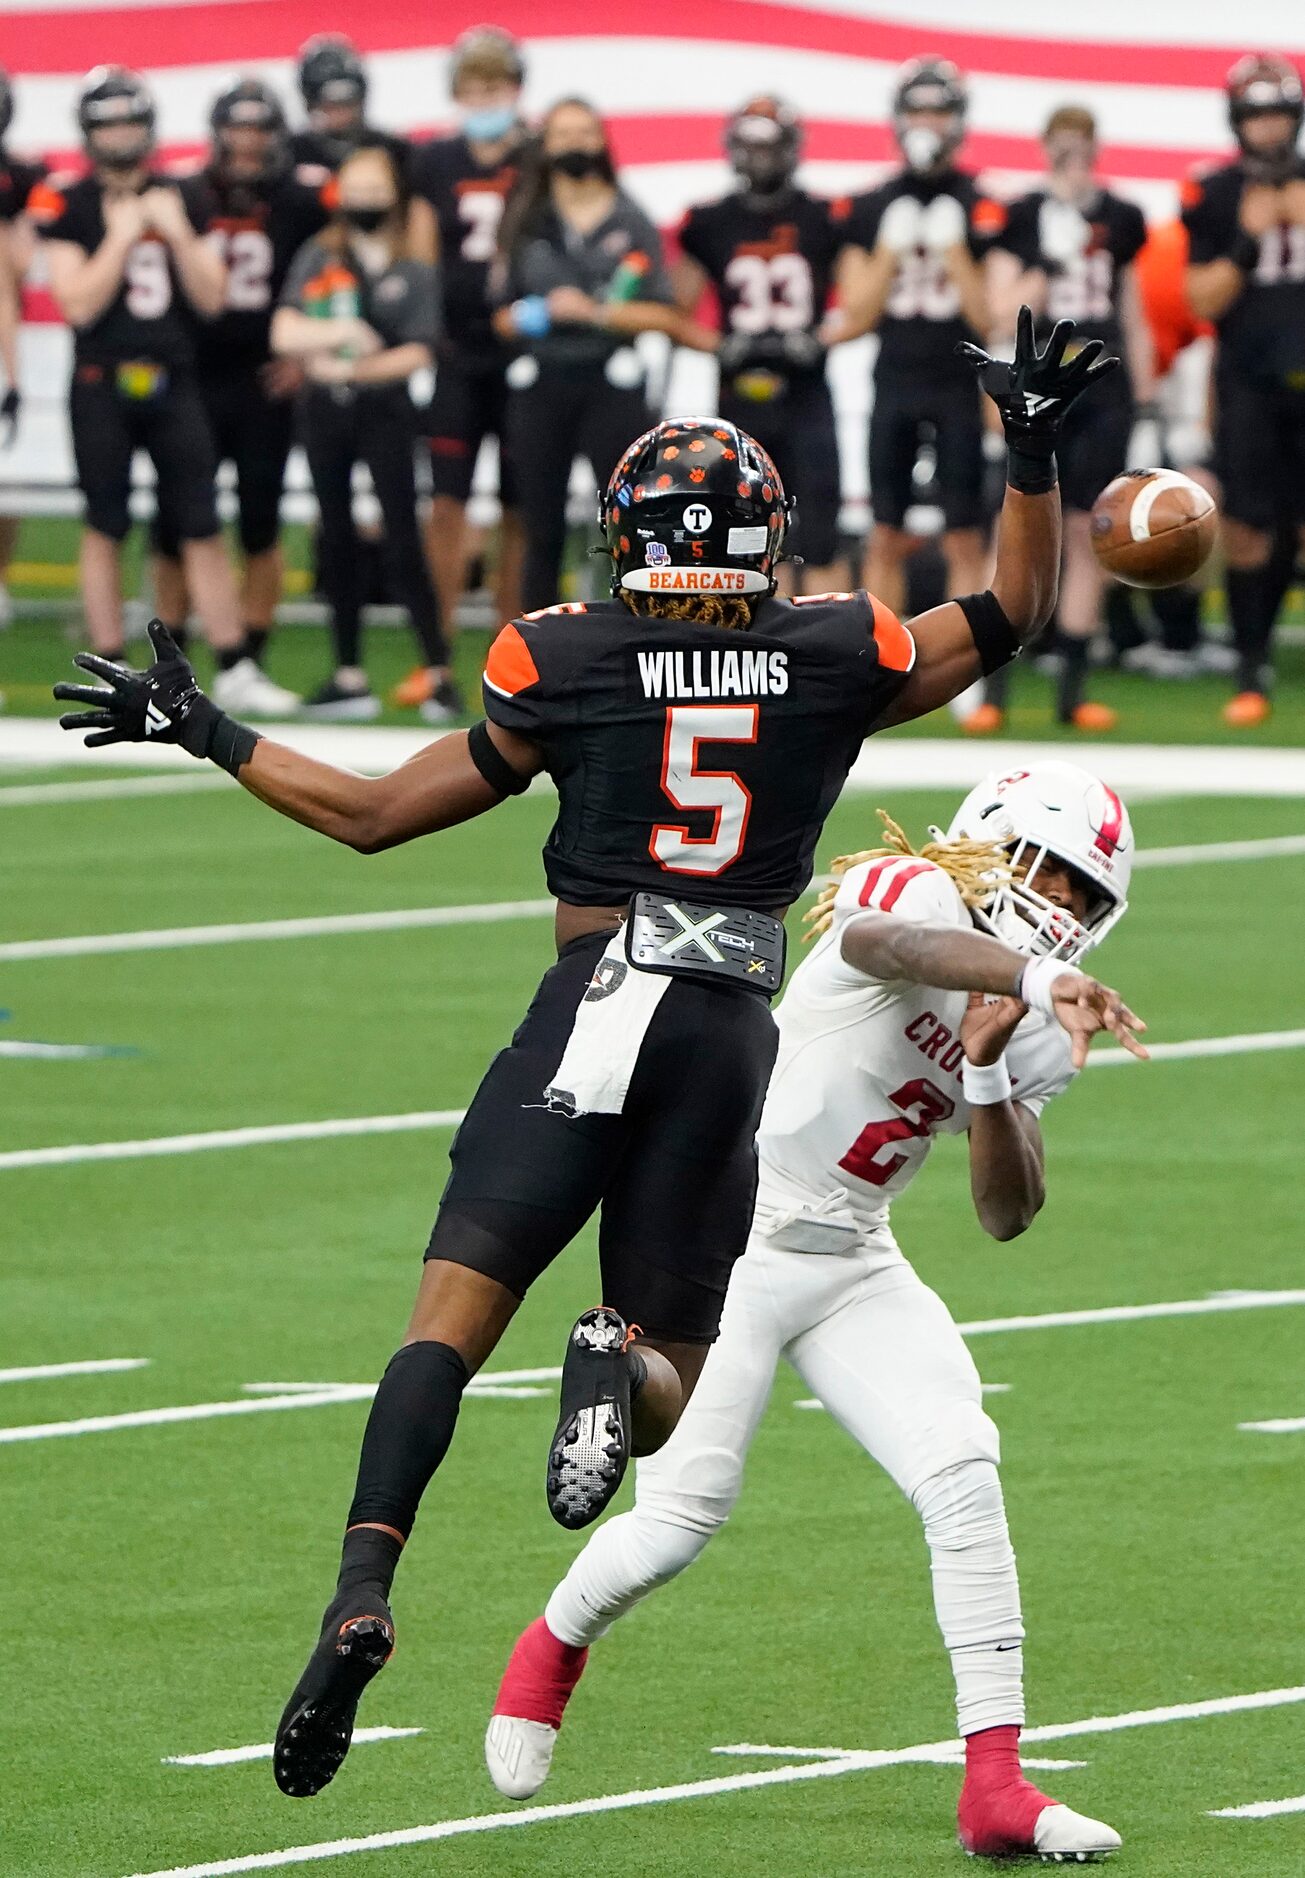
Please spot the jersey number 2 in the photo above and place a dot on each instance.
(862, 1158)
(688, 787)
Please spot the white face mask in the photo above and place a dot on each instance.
(921, 147)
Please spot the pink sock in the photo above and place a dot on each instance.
(539, 1678)
(998, 1807)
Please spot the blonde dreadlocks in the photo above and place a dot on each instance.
(975, 868)
(732, 611)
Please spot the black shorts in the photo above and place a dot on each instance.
(798, 430)
(673, 1176)
(172, 429)
(909, 412)
(253, 432)
(1093, 445)
(1259, 451)
(469, 405)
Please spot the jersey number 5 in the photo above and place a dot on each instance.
(862, 1158)
(688, 787)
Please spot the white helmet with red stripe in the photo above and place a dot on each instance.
(1057, 809)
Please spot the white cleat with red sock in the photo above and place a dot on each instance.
(1003, 1815)
(537, 1684)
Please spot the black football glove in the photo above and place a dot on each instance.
(1033, 393)
(10, 405)
(161, 705)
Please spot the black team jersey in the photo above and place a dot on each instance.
(258, 228)
(1084, 289)
(17, 181)
(1262, 334)
(771, 266)
(467, 198)
(922, 324)
(689, 759)
(325, 151)
(149, 318)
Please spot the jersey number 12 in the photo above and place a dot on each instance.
(688, 786)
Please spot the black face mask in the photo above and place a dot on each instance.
(579, 164)
(366, 221)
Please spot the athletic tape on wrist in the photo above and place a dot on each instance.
(1030, 472)
(985, 1084)
(231, 744)
(1037, 979)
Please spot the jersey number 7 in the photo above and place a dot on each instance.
(688, 786)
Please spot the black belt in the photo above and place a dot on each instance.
(705, 942)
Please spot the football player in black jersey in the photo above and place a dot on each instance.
(257, 214)
(333, 85)
(698, 730)
(465, 179)
(1068, 250)
(916, 278)
(1246, 272)
(134, 278)
(768, 249)
(17, 180)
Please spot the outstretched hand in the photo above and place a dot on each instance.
(1034, 390)
(1083, 1007)
(161, 705)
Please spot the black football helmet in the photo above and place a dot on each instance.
(929, 85)
(1261, 85)
(6, 104)
(249, 104)
(763, 141)
(113, 95)
(489, 48)
(331, 72)
(695, 506)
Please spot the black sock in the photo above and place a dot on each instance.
(996, 687)
(256, 638)
(408, 1434)
(1073, 678)
(1178, 610)
(1252, 596)
(232, 655)
(368, 1560)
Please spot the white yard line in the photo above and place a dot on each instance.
(419, 1119)
(1131, 1313)
(231, 1757)
(36, 795)
(841, 1761)
(402, 919)
(1260, 1809)
(97, 1366)
(1293, 1426)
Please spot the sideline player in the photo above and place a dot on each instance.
(914, 274)
(635, 1082)
(17, 180)
(133, 279)
(257, 214)
(906, 1022)
(333, 85)
(768, 249)
(1068, 249)
(466, 179)
(1246, 273)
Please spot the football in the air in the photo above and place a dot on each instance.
(1153, 527)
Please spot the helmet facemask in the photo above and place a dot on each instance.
(1030, 922)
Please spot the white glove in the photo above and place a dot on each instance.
(943, 225)
(1145, 440)
(1063, 233)
(900, 225)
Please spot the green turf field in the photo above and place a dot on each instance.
(164, 1582)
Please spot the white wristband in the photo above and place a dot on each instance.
(1036, 980)
(985, 1084)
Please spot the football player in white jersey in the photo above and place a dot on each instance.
(943, 995)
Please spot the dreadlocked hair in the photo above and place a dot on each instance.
(730, 611)
(975, 868)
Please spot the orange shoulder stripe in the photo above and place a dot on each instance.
(510, 667)
(895, 644)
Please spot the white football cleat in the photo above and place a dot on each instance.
(246, 688)
(1063, 1837)
(519, 1754)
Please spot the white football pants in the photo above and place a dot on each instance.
(881, 1351)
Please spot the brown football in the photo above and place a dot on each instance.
(1153, 527)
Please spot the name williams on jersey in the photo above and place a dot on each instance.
(722, 672)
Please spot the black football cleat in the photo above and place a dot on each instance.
(316, 1729)
(590, 1449)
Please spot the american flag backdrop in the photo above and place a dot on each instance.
(667, 72)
